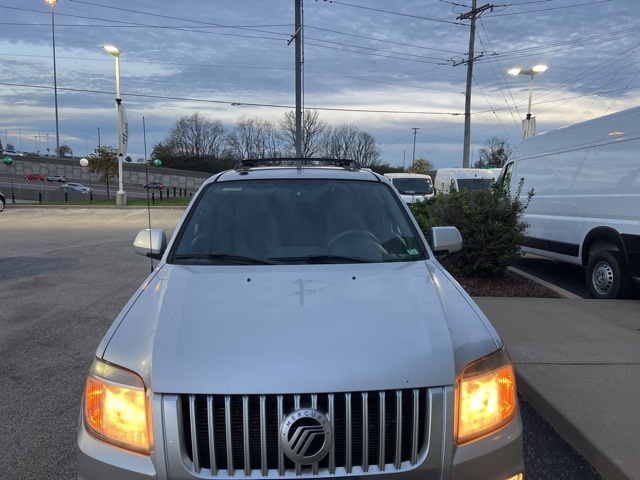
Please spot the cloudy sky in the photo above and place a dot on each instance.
(388, 67)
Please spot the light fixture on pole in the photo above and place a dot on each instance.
(529, 124)
(55, 79)
(123, 127)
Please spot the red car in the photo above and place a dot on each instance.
(35, 176)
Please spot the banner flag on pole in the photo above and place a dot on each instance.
(123, 130)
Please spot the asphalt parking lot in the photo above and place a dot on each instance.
(571, 278)
(64, 276)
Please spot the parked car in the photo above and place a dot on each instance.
(14, 153)
(56, 178)
(3, 202)
(74, 187)
(35, 176)
(153, 185)
(299, 326)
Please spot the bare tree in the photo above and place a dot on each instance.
(348, 142)
(496, 151)
(340, 141)
(313, 131)
(255, 138)
(365, 150)
(196, 136)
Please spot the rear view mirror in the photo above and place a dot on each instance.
(150, 243)
(445, 240)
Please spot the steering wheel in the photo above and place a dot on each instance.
(352, 233)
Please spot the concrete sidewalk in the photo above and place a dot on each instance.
(578, 364)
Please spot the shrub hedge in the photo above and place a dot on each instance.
(491, 225)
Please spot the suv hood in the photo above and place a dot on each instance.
(289, 329)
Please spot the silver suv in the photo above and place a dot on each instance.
(298, 326)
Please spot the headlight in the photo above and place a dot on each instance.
(486, 397)
(115, 407)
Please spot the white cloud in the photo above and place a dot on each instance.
(357, 56)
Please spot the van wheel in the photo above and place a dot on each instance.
(607, 275)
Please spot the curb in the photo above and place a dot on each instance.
(570, 431)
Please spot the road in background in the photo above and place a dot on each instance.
(7, 185)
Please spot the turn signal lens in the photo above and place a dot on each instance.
(115, 407)
(486, 397)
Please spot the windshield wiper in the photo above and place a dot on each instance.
(326, 258)
(224, 257)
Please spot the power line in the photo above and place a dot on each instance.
(236, 103)
(546, 9)
(390, 12)
(384, 40)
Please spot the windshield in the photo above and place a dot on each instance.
(296, 221)
(474, 183)
(413, 186)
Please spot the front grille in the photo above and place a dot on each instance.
(238, 435)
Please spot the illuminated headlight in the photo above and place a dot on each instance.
(486, 396)
(115, 407)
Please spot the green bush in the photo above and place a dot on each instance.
(491, 225)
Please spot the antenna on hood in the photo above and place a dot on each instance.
(146, 173)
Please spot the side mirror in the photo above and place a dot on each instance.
(445, 240)
(150, 243)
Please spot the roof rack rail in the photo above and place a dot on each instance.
(301, 162)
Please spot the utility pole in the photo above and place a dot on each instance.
(298, 46)
(415, 131)
(472, 15)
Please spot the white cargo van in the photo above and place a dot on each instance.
(413, 187)
(494, 171)
(462, 179)
(586, 204)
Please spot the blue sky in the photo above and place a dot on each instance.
(386, 66)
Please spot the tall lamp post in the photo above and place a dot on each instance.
(55, 80)
(123, 128)
(528, 124)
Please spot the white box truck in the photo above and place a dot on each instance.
(586, 204)
(413, 187)
(462, 179)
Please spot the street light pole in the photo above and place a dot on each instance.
(121, 196)
(55, 80)
(415, 130)
(528, 126)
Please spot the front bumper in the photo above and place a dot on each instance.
(495, 456)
